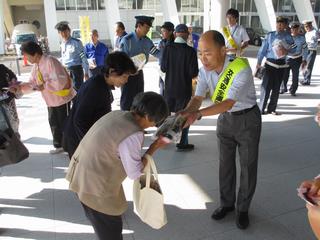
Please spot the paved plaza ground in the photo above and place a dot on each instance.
(35, 202)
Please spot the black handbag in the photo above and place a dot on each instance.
(12, 150)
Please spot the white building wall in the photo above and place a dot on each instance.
(2, 40)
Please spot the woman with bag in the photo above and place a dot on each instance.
(108, 153)
(50, 78)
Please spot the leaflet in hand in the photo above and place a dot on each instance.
(139, 60)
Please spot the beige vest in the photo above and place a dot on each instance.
(96, 172)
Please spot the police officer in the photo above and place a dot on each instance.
(235, 35)
(134, 44)
(294, 60)
(239, 123)
(72, 55)
(311, 36)
(274, 48)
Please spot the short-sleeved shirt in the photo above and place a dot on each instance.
(239, 35)
(242, 89)
(312, 39)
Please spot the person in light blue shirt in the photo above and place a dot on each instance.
(134, 44)
(120, 33)
(295, 60)
(96, 53)
(72, 55)
(312, 36)
(275, 47)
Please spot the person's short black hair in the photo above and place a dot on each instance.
(150, 104)
(31, 48)
(233, 12)
(120, 63)
(217, 38)
(62, 26)
(120, 25)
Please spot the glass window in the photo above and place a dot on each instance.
(316, 6)
(70, 4)
(92, 4)
(254, 8)
(244, 21)
(123, 4)
(285, 6)
(137, 4)
(240, 5)
(101, 4)
(275, 5)
(247, 5)
(60, 5)
(81, 5)
(233, 4)
(178, 3)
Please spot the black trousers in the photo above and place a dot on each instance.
(57, 117)
(134, 86)
(270, 84)
(76, 73)
(240, 132)
(310, 62)
(106, 227)
(294, 65)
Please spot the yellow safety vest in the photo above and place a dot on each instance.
(227, 33)
(60, 93)
(226, 79)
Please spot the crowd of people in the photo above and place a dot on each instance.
(104, 146)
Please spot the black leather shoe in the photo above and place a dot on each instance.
(221, 212)
(185, 147)
(242, 220)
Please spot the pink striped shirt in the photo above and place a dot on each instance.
(55, 78)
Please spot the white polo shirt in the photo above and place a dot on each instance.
(242, 89)
(239, 35)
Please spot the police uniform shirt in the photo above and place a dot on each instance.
(242, 89)
(312, 39)
(72, 54)
(239, 35)
(132, 45)
(98, 52)
(301, 47)
(266, 48)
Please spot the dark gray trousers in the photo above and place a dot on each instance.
(242, 132)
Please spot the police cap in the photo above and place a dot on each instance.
(281, 19)
(168, 26)
(62, 26)
(294, 24)
(181, 28)
(145, 19)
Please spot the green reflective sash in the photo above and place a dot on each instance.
(226, 79)
(230, 39)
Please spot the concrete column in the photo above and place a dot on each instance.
(266, 13)
(218, 13)
(304, 11)
(170, 12)
(51, 20)
(206, 15)
(112, 16)
(2, 40)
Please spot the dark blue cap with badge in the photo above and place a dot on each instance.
(144, 19)
(181, 28)
(281, 19)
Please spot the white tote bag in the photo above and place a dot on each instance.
(148, 198)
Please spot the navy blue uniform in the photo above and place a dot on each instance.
(132, 45)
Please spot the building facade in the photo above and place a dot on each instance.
(202, 14)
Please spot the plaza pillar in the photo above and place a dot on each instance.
(217, 14)
(112, 16)
(266, 14)
(2, 39)
(51, 20)
(170, 12)
(304, 11)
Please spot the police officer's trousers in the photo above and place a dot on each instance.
(271, 84)
(243, 132)
(294, 65)
(310, 61)
(134, 86)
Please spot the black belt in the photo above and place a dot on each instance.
(244, 111)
